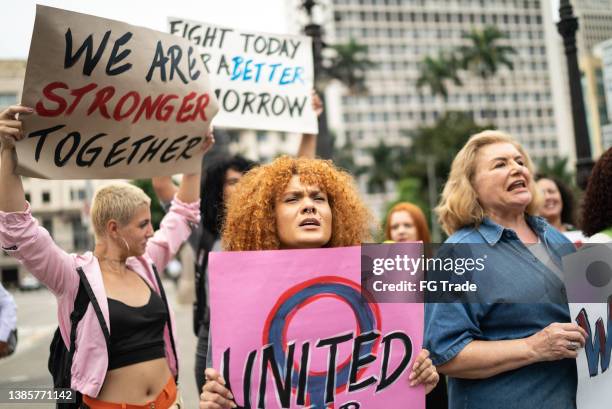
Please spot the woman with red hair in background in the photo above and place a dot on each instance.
(406, 222)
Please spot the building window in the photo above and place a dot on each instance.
(46, 197)
(77, 194)
(48, 225)
(234, 136)
(80, 235)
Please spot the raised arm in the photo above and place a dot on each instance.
(20, 234)
(164, 188)
(189, 189)
(182, 217)
(308, 144)
(12, 196)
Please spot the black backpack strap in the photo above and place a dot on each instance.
(163, 296)
(96, 306)
(80, 306)
(84, 296)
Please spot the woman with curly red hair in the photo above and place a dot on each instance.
(252, 216)
(296, 204)
(597, 203)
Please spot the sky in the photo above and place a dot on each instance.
(257, 15)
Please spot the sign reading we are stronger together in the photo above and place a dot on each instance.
(112, 100)
(291, 329)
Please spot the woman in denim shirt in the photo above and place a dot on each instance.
(499, 352)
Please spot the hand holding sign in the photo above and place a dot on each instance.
(11, 129)
(209, 141)
(317, 104)
(559, 340)
(214, 392)
(424, 372)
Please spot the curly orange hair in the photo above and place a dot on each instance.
(250, 222)
(417, 216)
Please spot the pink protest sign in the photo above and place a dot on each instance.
(290, 329)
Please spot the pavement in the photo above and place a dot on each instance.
(37, 320)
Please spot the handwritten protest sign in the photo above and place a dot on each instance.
(589, 288)
(594, 372)
(262, 81)
(291, 329)
(112, 100)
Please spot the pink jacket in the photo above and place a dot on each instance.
(22, 237)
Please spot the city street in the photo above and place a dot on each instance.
(37, 321)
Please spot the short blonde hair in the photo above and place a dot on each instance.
(117, 201)
(250, 223)
(459, 205)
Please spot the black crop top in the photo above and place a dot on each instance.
(136, 333)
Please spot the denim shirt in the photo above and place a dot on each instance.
(510, 267)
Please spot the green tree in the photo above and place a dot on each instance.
(348, 63)
(558, 168)
(409, 190)
(485, 55)
(386, 166)
(434, 73)
(157, 213)
(344, 157)
(437, 144)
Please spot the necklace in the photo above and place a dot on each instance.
(114, 266)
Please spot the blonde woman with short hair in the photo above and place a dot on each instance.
(130, 358)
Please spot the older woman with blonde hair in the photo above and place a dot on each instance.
(122, 349)
(517, 347)
(297, 204)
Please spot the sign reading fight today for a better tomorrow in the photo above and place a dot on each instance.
(112, 100)
(262, 80)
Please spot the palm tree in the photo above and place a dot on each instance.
(435, 72)
(557, 168)
(344, 156)
(386, 166)
(484, 56)
(348, 64)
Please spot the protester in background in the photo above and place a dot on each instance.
(8, 323)
(558, 207)
(596, 218)
(297, 204)
(508, 354)
(406, 222)
(140, 365)
(218, 185)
